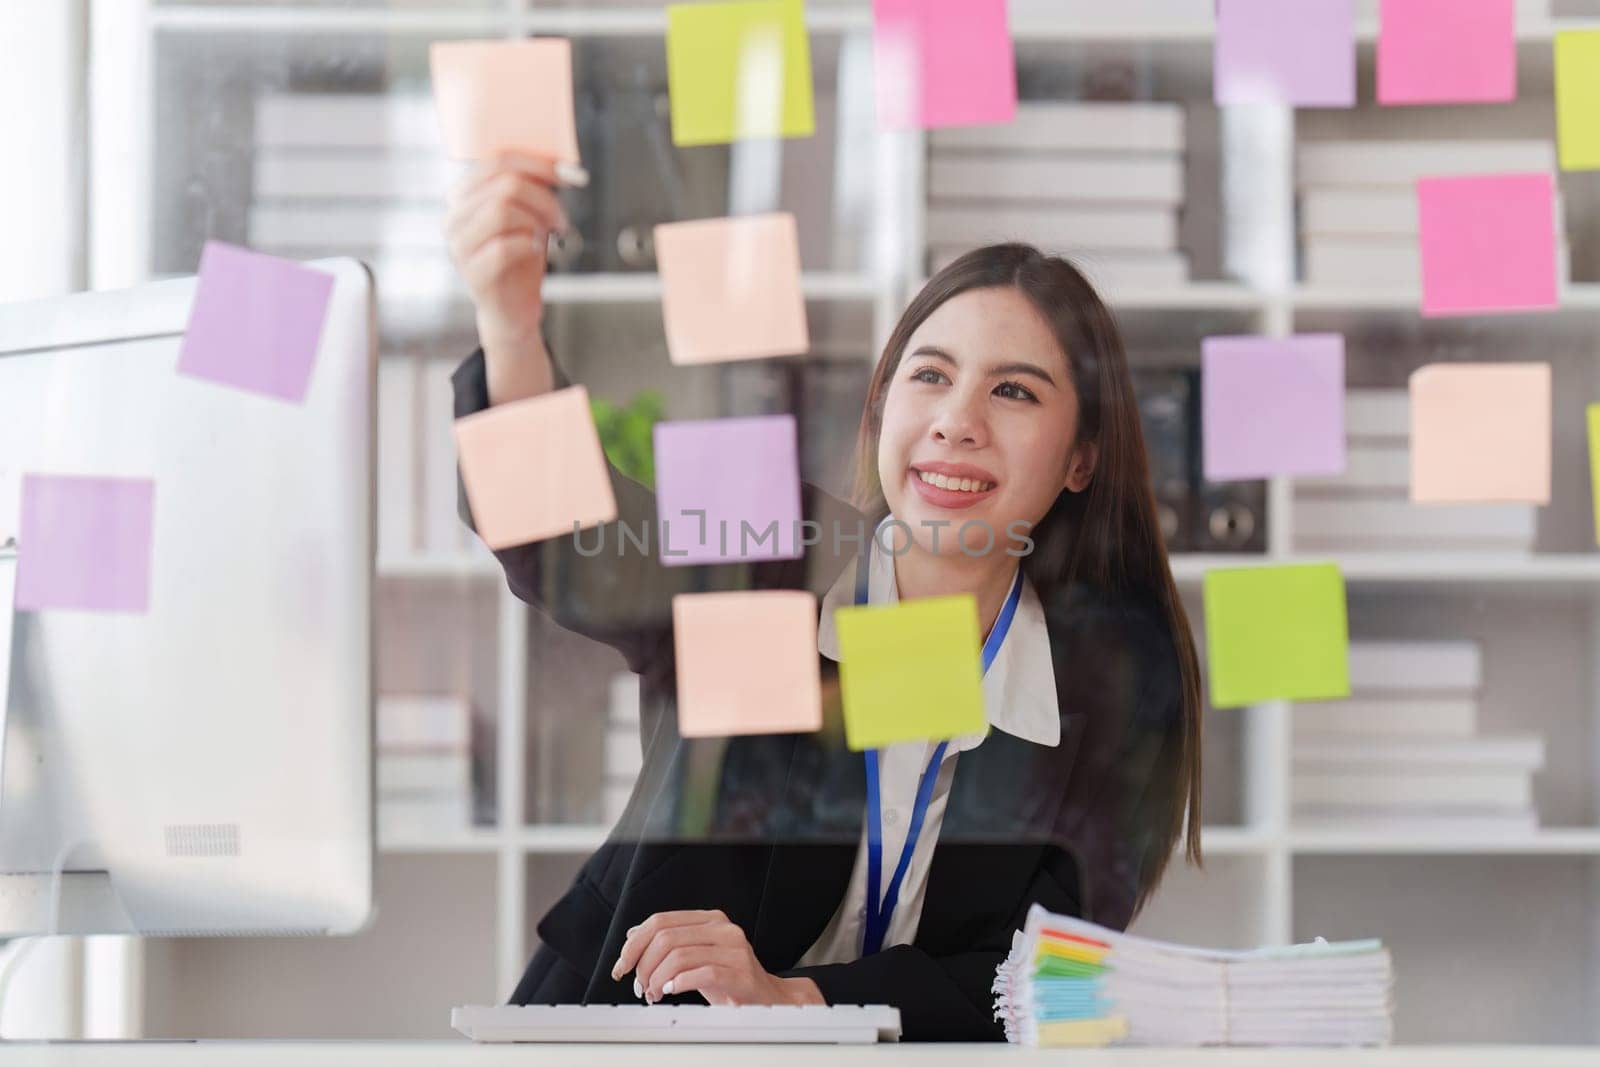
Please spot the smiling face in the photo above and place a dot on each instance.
(979, 422)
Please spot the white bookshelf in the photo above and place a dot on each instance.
(1266, 881)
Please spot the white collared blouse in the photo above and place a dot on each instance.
(1019, 696)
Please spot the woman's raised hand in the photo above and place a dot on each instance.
(703, 952)
(498, 226)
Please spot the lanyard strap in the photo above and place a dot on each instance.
(880, 906)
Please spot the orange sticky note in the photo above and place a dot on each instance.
(747, 663)
(731, 288)
(499, 96)
(1480, 433)
(1594, 464)
(534, 469)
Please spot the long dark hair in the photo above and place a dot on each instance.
(1107, 536)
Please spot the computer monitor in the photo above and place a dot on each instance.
(204, 766)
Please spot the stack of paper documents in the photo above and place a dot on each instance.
(1070, 982)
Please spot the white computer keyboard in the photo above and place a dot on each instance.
(821, 1024)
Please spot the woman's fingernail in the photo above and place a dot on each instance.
(667, 989)
(638, 990)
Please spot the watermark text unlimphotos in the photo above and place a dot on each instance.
(806, 533)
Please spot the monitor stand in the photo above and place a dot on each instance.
(87, 898)
(8, 618)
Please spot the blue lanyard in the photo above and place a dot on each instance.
(880, 908)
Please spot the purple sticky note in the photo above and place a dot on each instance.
(1446, 52)
(1272, 406)
(1488, 243)
(943, 64)
(744, 474)
(84, 543)
(1297, 52)
(256, 322)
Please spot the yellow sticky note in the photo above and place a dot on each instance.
(500, 96)
(747, 663)
(1578, 98)
(738, 70)
(1480, 433)
(1083, 1033)
(1276, 633)
(730, 288)
(910, 671)
(534, 468)
(1594, 464)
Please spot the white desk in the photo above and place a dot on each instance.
(464, 1054)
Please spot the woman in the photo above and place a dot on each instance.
(999, 455)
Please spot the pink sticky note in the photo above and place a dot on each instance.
(1446, 51)
(1488, 243)
(1480, 433)
(500, 96)
(743, 474)
(84, 544)
(746, 663)
(730, 288)
(533, 469)
(1272, 406)
(943, 64)
(255, 323)
(1297, 52)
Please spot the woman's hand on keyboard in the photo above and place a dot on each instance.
(703, 952)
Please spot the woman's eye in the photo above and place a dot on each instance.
(1018, 392)
(927, 374)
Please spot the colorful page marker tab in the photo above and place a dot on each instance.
(255, 323)
(505, 96)
(1272, 406)
(1274, 52)
(1447, 52)
(533, 469)
(728, 490)
(730, 288)
(1488, 243)
(1480, 433)
(738, 70)
(747, 663)
(910, 671)
(940, 64)
(1276, 633)
(1578, 98)
(1594, 465)
(85, 544)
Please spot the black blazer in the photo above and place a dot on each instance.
(766, 828)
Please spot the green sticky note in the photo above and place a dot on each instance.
(1594, 464)
(910, 671)
(1578, 98)
(738, 70)
(1276, 633)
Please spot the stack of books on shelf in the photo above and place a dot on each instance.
(359, 174)
(1068, 982)
(1358, 202)
(416, 462)
(1403, 754)
(1101, 182)
(424, 766)
(624, 756)
(1166, 13)
(1369, 508)
(1525, 10)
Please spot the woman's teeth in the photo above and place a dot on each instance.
(960, 485)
